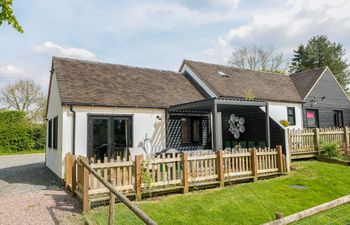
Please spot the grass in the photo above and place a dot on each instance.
(339, 215)
(21, 152)
(249, 203)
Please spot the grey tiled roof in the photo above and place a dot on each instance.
(237, 82)
(305, 80)
(91, 83)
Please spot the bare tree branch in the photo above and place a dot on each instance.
(25, 95)
(258, 58)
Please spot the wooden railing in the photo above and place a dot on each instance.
(307, 143)
(181, 172)
(84, 169)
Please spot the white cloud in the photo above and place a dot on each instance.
(171, 15)
(290, 24)
(226, 4)
(10, 70)
(51, 49)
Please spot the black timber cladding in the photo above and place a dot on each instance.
(327, 96)
(173, 127)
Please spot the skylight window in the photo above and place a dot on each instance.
(221, 73)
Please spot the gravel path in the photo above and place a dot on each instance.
(31, 194)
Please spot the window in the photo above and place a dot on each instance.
(338, 118)
(55, 132)
(49, 134)
(185, 130)
(312, 118)
(191, 130)
(291, 115)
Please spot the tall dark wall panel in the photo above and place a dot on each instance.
(255, 127)
(254, 124)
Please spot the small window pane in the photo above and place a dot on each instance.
(185, 130)
(338, 118)
(49, 134)
(291, 115)
(196, 130)
(55, 132)
(291, 120)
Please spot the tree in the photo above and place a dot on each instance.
(257, 58)
(299, 59)
(6, 14)
(27, 96)
(320, 52)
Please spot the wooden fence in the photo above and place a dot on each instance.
(177, 172)
(307, 143)
(86, 170)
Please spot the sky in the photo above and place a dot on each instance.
(160, 34)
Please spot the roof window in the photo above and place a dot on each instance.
(221, 73)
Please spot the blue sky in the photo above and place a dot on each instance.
(159, 34)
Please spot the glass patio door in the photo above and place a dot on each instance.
(121, 136)
(109, 136)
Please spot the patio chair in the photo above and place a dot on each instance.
(234, 144)
(251, 144)
(243, 144)
(227, 144)
(262, 144)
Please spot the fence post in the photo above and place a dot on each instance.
(85, 189)
(138, 179)
(288, 155)
(346, 133)
(220, 167)
(111, 202)
(68, 175)
(185, 172)
(317, 140)
(254, 165)
(74, 175)
(279, 158)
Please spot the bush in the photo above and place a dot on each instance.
(284, 123)
(18, 134)
(330, 150)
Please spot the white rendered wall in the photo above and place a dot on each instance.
(144, 122)
(54, 157)
(278, 112)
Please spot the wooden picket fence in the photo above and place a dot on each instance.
(307, 143)
(167, 173)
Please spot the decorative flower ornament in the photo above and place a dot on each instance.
(236, 125)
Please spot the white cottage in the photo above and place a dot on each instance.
(97, 109)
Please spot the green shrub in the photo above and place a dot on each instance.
(39, 136)
(18, 134)
(331, 150)
(284, 123)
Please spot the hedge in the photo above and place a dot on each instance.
(18, 134)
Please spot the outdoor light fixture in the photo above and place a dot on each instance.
(314, 101)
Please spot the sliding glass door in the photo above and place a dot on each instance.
(109, 136)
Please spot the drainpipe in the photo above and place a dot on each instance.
(73, 130)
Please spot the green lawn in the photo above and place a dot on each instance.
(249, 203)
(21, 152)
(339, 215)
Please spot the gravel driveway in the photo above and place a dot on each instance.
(31, 194)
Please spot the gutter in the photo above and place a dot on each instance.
(73, 130)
